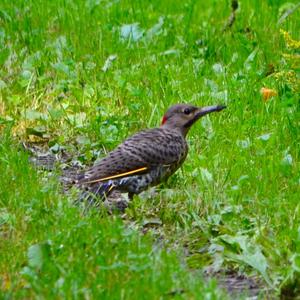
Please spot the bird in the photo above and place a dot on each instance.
(145, 159)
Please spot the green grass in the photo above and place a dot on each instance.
(50, 250)
(234, 206)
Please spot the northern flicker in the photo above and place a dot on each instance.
(144, 159)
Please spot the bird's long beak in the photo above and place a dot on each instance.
(202, 111)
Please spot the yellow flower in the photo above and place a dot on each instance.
(293, 44)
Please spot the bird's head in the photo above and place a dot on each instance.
(183, 116)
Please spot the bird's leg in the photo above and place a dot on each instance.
(130, 195)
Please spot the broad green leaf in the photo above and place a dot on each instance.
(38, 254)
(265, 137)
(37, 131)
(108, 63)
(32, 115)
(245, 251)
(155, 29)
(132, 32)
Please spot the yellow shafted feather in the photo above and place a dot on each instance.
(117, 176)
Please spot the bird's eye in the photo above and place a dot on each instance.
(187, 111)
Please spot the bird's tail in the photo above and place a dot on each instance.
(94, 195)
